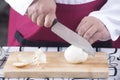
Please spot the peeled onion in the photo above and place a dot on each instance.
(75, 54)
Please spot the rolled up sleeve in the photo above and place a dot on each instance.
(109, 14)
(19, 5)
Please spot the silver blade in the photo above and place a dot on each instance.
(72, 37)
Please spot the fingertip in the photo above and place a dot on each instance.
(40, 20)
(47, 25)
(90, 41)
(49, 21)
(39, 24)
(76, 30)
(80, 33)
(34, 17)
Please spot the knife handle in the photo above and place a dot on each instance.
(54, 22)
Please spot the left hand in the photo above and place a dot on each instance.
(92, 29)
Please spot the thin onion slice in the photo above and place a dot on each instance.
(20, 64)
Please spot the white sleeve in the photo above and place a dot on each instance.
(109, 14)
(19, 5)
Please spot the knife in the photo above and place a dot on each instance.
(71, 37)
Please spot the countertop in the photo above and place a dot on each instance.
(113, 55)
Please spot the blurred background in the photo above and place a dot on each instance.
(4, 18)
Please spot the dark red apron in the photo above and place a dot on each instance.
(22, 31)
(116, 44)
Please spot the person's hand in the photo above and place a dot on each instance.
(42, 12)
(92, 29)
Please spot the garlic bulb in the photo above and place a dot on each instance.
(75, 54)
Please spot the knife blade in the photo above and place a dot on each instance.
(71, 37)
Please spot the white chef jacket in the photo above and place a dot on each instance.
(109, 14)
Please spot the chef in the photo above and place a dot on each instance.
(95, 20)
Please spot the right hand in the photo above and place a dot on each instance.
(42, 12)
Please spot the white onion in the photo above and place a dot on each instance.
(74, 54)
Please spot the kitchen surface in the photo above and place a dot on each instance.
(113, 58)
